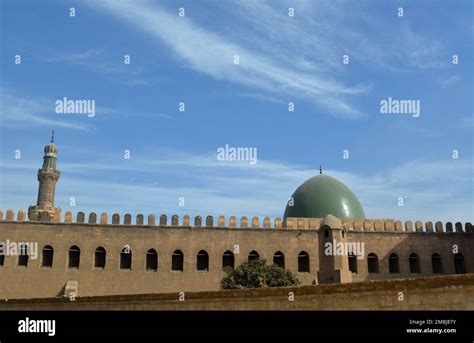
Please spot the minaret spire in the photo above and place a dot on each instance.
(48, 176)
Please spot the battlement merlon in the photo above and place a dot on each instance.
(356, 225)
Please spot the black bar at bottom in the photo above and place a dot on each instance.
(443, 326)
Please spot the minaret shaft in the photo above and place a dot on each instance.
(47, 187)
(48, 176)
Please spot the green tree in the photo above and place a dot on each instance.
(257, 274)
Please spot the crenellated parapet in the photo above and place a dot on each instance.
(233, 222)
(390, 225)
(152, 220)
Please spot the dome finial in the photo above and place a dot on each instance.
(320, 169)
(52, 137)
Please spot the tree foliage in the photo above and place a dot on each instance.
(257, 274)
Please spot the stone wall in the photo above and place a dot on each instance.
(37, 281)
(166, 235)
(455, 292)
(403, 244)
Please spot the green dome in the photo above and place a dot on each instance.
(322, 195)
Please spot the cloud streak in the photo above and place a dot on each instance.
(432, 190)
(19, 111)
(95, 61)
(208, 52)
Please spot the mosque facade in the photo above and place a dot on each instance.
(324, 237)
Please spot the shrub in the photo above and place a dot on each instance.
(257, 274)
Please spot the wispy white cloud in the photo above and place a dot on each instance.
(290, 58)
(120, 111)
(449, 80)
(432, 190)
(96, 61)
(212, 54)
(80, 57)
(19, 111)
(319, 34)
(262, 97)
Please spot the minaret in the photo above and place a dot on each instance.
(47, 177)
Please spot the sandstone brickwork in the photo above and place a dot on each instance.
(294, 240)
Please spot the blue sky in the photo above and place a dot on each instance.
(282, 59)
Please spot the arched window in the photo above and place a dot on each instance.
(126, 258)
(228, 259)
(177, 261)
(414, 263)
(23, 257)
(152, 260)
(100, 257)
(202, 261)
(303, 262)
(437, 263)
(253, 255)
(393, 264)
(74, 256)
(2, 255)
(459, 264)
(279, 259)
(352, 262)
(372, 263)
(48, 253)
(326, 233)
